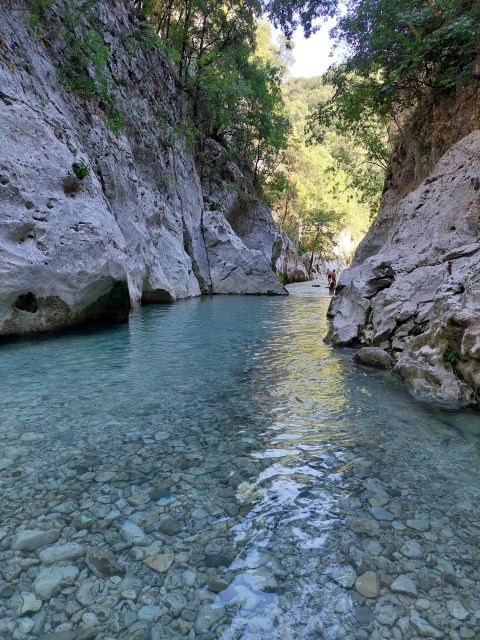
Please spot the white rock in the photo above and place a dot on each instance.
(51, 579)
(368, 585)
(149, 613)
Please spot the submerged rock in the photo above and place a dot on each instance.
(373, 357)
(32, 539)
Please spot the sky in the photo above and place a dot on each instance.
(313, 56)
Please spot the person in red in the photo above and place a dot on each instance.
(329, 276)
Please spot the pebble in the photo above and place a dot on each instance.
(411, 549)
(344, 575)
(457, 610)
(368, 585)
(423, 627)
(404, 584)
(61, 552)
(28, 603)
(149, 613)
(50, 580)
(160, 562)
(169, 526)
(32, 539)
(103, 563)
(134, 534)
(207, 616)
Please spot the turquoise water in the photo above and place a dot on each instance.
(262, 472)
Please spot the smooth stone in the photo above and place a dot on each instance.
(364, 614)
(32, 539)
(422, 604)
(344, 576)
(169, 526)
(367, 525)
(382, 514)
(216, 560)
(373, 357)
(50, 580)
(61, 552)
(457, 610)
(87, 592)
(5, 463)
(28, 603)
(411, 549)
(134, 534)
(104, 476)
(160, 562)
(190, 577)
(403, 584)
(423, 627)
(368, 585)
(162, 490)
(149, 613)
(217, 586)
(68, 634)
(387, 615)
(207, 616)
(418, 525)
(103, 563)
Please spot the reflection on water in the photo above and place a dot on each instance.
(214, 470)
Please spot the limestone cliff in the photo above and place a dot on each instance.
(148, 222)
(414, 285)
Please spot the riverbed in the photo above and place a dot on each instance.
(213, 470)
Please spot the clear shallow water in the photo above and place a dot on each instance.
(242, 474)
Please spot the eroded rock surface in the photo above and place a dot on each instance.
(76, 249)
(414, 285)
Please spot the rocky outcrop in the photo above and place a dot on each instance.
(140, 225)
(414, 284)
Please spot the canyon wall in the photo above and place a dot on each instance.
(94, 221)
(414, 285)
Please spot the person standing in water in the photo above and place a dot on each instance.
(332, 283)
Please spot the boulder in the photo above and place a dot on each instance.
(373, 357)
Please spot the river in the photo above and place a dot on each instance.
(213, 470)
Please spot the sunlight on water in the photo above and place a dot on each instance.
(242, 475)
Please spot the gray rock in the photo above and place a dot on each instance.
(149, 613)
(423, 627)
(344, 575)
(61, 552)
(411, 549)
(416, 273)
(103, 563)
(387, 615)
(28, 603)
(72, 251)
(368, 584)
(457, 610)
(373, 357)
(32, 539)
(134, 534)
(160, 562)
(207, 616)
(404, 584)
(50, 580)
(169, 526)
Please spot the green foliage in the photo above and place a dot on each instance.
(282, 279)
(398, 56)
(35, 15)
(85, 70)
(416, 330)
(230, 73)
(312, 195)
(81, 169)
(451, 354)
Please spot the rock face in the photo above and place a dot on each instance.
(146, 223)
(414, 285)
